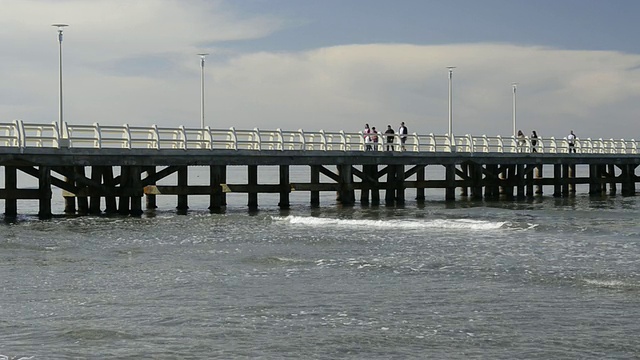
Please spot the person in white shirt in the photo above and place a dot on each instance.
(402, 130)
(522, 141)
(571, 139)
(367, 138)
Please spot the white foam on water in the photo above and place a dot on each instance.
(464, 224)
(608, 283)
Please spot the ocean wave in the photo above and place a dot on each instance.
(611, 284)
(465, 224)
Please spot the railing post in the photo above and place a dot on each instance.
(97, 143)
(65, 131)
(127, 136)
(21, 134)
(303, 140)
(258, 138)
(234, 138)
(343, 138)
(280, 138)
(183, 137)
(485, 143)
(323, 137)
(553, 145)
(155, 135)
(208, 138)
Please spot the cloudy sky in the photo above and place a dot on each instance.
(329, 64)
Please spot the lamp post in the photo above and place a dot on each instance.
(515, 86)
(450, 104)
(60, 114)
(202, 56)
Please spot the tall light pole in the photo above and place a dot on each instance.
(60, 114)
(515, 86)
(202, 56)
(450, 104)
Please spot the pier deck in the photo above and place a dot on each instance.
(113, 173)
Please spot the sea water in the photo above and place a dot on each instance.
(545, 278)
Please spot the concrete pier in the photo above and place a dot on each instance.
(86, 176)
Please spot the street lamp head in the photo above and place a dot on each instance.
(203, 54)
(60, 26)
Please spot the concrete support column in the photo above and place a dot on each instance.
(389, 194)
(594, 180)
(252, 173)
(183, 185)
(557, 180)
(151, 199)
(136, 190)
(420, 177)
(520, 194)
(476, 190)
(83, 201)
(572, 175)
(511, 181)
(215, 181)
(347, 195)
(565, 180)
(315, 179)
(450, 179)
(44, 189)
(375, 185)
(628, 180)
(612, 175)
(400, 184)
(70, 201)
(492, 187)
(10, 186)
(464, 191)
(285, 187)
(529, 180)
(111, 206)
(365, 187)
(539, 175)
(94, 200)
(123, 200)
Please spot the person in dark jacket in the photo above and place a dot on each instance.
(390, 137)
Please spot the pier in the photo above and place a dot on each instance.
(114, 169)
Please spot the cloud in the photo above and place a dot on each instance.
(135, 62)
(343, 87)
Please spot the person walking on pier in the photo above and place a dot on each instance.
(374, 138)
(390, 138)
(367, 138)
(571, 139)
(522, 141)
(402, 130)
(534, 141)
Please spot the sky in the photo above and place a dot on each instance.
(327, 65)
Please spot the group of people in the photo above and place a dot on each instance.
(371, 136)
(522, 141)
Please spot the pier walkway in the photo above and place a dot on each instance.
(118, 166)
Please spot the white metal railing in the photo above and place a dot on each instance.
(18, 134)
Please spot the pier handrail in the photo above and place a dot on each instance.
(22, 135)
